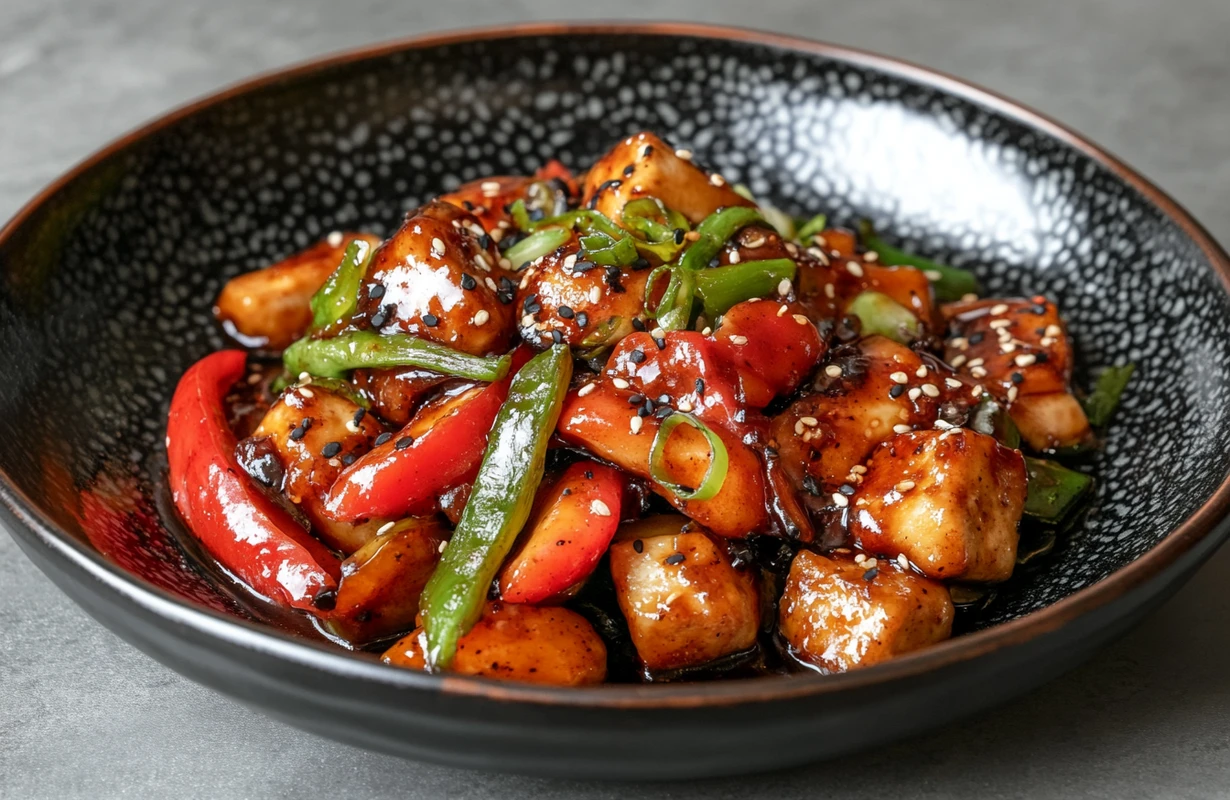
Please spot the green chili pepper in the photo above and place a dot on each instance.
(948, 283)
(879, 313)
(599, 248)
(586, 220)
(520, 216)
(333, 358)
(1101, 404)
(719, 459)
(655, 227)
(811, 227)
(720, 288)
(499, 503)
(1054, 490)
(536, 245)
(990, 417)
(338, 296)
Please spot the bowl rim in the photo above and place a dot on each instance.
(313, 655)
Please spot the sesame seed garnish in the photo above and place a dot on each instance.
(566, 312)
(858, 469)
(306, 392)
(684, 405)
(952, 383)
(1054, 331)
(957, 361)
(960, 343)
(570, 260)
(481, 316)
(1047, 341)
(600, 508)
(921, 371)
(331, 449)
(595, 295)
(933, 274)
(902, 429)
(527, 321)
(976, 362)
(754, 241)
(738, 340)
(491, 284)
(833, 371)
(943, 426)
(904, 486)
(782, 309)
(334, 238)
(830, 291)
(431, 320)
(854, 269)
(657, 333)
(385, 528)
(637, 356)
(586, 389)
(686, 155)
(840, 500)
(1007, 348)
(902, 561)
(899, 377)
(352, 426)
(802, 320)
(382, 438)
(490, 188)
(810, 422)
(1025, 360)
(675, 558)
(734, 257)
(930, 390)
(871, 255)
(706, 331)
(978, 372)
(717, 180)
(969, 297)
(403, 442)
(620, 383)
(914, 393)
(999, 323)
(467, 281)
(977, 391)
(481, 260)
(635, 425)
(437, 247)
(505, 263)
(784, 287)
(996, 310)
(859, 558)
(896, 390)
(1012, 393)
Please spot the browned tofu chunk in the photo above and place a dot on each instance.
(519, 643)
(838, 615)
(685, 603)
(949, 501)
(645, 166)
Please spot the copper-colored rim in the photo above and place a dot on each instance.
(1178, 542)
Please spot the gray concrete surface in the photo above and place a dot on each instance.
(84, 715)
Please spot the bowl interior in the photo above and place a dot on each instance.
(107, 287)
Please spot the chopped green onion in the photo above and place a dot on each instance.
(606, 251)
(810, 228)
(1101, 404)
(585, 220)
(720, 288)
(337, 298)
(333, 358)
(520, 216)
(948, 283)
(1053, 490)
(879, 313)
(990, 417)
(715, 475)
(653, 226)
(537, 245)
(674, 311)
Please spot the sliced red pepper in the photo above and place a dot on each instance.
(440, 448)
(772, 347)
(246, 531)
(565, 540)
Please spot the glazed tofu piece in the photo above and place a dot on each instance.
(271, 307)
(685, 603)
(532, 644)
(439, 278)
(948, 501)
(838, 615)
(1019, 350)
(645, 166)
(314, 433)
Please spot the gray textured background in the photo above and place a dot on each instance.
(84, 715)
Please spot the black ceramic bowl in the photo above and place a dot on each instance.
(109, 275)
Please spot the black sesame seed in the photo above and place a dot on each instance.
(640, 264)
(649, 406)
(700, 385)
(297, 434)
(566, 312)
(896, 391)
(431, 320)
(679, 233)
(378, 319)
(871, 574)
(376, 292)
(484, 241)
(664, 398)
(331, 449)
(628, 170)
(846, 489)
(648, 151)
(504, 297)
(660, 342)
(638, 545)
(359, 415)
(637, 356)
(676, 558)
(811, 486)
(638, 324)
(325, 600)
(533, 308)
(382, 438)
(1040, 358)
(404, 442)
(557, 337)
(664, 412)
(349, 459)
(636, 399)
(643, 412)
(1039, 309)
(1018, 378)
(507, 285)
(977, 338)
(467, 281)
(567, 491)
(589, 474)
(467, 205)
(583, 266)
(582, 319)
(529, 301)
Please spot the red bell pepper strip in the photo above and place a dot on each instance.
(246, 531)
(564, 542)
(400, 478)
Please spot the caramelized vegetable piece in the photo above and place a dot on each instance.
(313, 430)
(684, 601)
(518, 643)
(771, 349)
(567, 535)
(270, 307)
(950, 502)
(871, 392)
(434, 279)
(381, 582)
(838, 615)
(603, 421)
(396, 394)
(1020, 351)
(656, 170)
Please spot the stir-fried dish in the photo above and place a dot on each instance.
(626, 425)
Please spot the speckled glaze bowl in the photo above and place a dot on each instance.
(109, 275)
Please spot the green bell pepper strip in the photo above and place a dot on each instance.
(719, 459)
(607, 251)
(719, 288)
(1053, 490)
(810, 228)
(338, 296)
(333, 358)
(653, 226)
(990, 417)
(879, 313)
(536, 245)
(948, 283)
(1100, 405)
(499, 503)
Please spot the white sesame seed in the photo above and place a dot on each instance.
(833, 371)
(977, 391)
(996, 310)
(385, 528)
(684, 405)
(437, 246)
(443, 545)
(914, 393)
(854, 268)
(930, 390)
(305, 377)
(620, 383)
(717, 180)
(334, 238)
(902, 561)
(782, 309)
(952, 383)
(960, 343)
(657, 333)
(933, 274)
(859, 558)
(491, 284)
(570, 260)
(921, 372)
(1012, 393)
(1007, 348)
(352, 426)
(871, 255)
(899, 377)
(978, 372)
(505, 263)
(635, 425)
(902, 429)
(527, 321)
(490, 188)
(306, 392)
(481, 316)
(480, 259)
(943, 426)
(497, 233)
(976, 362)
(738, 340)
(734, 257)
(798, 427)
(999, 323)
(840, 500)
(830, 291)
(1053, 331)
(957, 361)
(802, 320)
(810, 422)
(969, 297)
(706, 331)
(686, 155)
(1025, 359)
(792, 248)
(595, 295)
(904, 486)
(858, 469)
(784, 287)
(600, 508)
(1047, 341)
(754, 241)
(586, 389)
